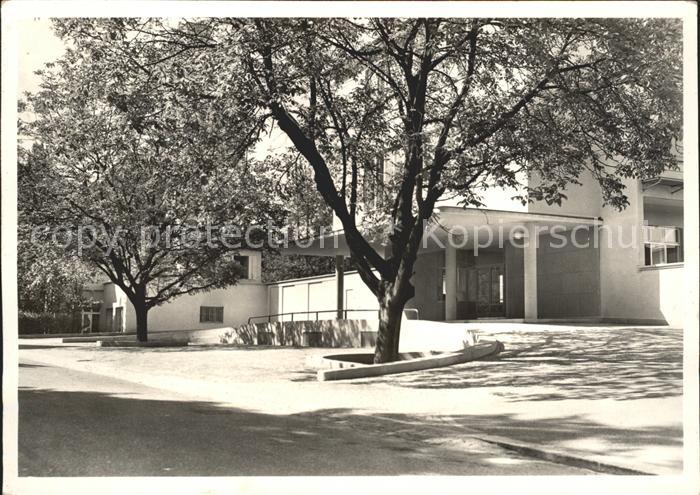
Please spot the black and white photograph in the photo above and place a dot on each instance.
(315, 247)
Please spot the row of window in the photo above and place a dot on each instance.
(211, 314)
(662, 245)
(475, 283)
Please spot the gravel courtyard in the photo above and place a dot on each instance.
(620, 363)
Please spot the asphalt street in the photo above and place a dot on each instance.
(75, 423)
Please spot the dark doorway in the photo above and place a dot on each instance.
(486, 291)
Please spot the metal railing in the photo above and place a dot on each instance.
(317, 313)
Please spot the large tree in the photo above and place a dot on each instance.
(451, 105)
(136, 173)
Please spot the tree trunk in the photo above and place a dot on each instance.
(389, 327)
(141, 321)
(390, 313)
(392, 298)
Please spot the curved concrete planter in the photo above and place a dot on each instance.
(358, 365)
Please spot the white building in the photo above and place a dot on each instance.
(614, 267)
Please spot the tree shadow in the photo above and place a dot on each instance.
(68, 433)
(620, 364)
(43, 346)
(541, 431)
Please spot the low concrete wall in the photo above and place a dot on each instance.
(196, 336)
(348, 370)
(416, 335)
(322, 333)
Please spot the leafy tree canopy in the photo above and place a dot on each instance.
(141, 173)
(396, 113)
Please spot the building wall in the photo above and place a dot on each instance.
(630, 291)
(568, 277)
(247, 298)
(494, 198)
(308, 295)
(427, 280)
(582, 200)
(114, 298)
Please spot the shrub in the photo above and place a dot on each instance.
(47, 323)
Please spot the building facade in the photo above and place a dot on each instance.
(580, 261)
(226, 307)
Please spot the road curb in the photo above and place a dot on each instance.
(545, 454)
(558, 457)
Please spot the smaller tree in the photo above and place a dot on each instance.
(140, 181)
(48, 281)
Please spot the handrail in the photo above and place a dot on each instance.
(345, 313)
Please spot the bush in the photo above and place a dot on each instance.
(48, 323)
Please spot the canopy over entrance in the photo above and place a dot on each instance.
(468, 228)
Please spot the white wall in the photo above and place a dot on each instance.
(247, 298)
(493, 198)
(630, 291)
(583, 200)
(311, 294)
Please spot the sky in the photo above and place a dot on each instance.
(37, 45)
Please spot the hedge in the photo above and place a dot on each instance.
(48, 323)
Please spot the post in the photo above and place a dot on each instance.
(450, 282)
(530, 273)
(340, 285)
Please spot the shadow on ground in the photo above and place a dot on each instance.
(95, 434)
(41, 346)
(621, 364)
(68, 433)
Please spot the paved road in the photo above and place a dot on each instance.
(73, 423)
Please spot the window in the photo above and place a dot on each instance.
(662, 245)
(243, 261)
(442, 289)
(211, 314)
(373, 183)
